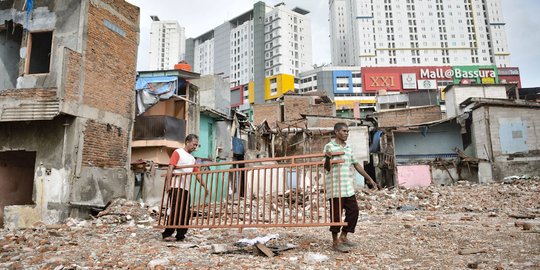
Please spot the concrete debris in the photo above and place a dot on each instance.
(478, 221)
(250, 242)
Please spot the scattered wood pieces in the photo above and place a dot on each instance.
(469, 251)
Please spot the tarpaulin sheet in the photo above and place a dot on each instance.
(150, 90)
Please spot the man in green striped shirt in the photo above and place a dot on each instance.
(342, 189)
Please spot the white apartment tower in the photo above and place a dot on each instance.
(167, 44)
(418, 33)
(247, 49)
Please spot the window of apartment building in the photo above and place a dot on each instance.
(39, 52)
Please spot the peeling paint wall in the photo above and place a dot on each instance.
(52, 170)
(63, 18)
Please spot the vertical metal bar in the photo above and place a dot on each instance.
(303, 194)
(166, 184)
(231, 179)
(215, 195)
(311, 194)
(185, 200)
(290, 195)
(326, 190)
(258, 196)
(246, 196)
(180, 203)
(173, 214)
(204, 178)
(196, 194)
(339, 191)
(318, 192)
(296, 192)
(221, 198)
(168, 203)
(210, 200)
(271, 198)
(283, 199)
(238, 204)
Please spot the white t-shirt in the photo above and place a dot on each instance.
(181, 157)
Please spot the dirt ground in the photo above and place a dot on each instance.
(492, 226)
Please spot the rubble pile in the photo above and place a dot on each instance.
(466, 226)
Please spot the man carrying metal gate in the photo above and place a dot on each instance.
(178, 190)
(341, 189)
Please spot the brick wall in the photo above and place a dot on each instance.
(32, 93)
(110, 57)
(412, 116)
(105, 145)
(270, 112)
(296, 105)
(326, 122)
(72, 76)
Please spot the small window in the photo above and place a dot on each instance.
(39, 52)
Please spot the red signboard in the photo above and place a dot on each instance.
(390, 78)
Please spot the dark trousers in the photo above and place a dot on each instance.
(350, 205)
(179, 215)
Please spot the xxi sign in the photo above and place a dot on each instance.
(382, 81)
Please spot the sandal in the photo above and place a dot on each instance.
(348, 243)
(340, 248)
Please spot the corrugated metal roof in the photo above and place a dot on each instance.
(31, 110)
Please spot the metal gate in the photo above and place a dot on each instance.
(271, 192)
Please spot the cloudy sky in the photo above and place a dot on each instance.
(200, 16)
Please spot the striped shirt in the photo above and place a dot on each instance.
(346, 180)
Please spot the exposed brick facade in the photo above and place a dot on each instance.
(296, 105)
(109, 79)
(271, 112)
(104, 146)
(110, 58)
(411, 116)
(327, 122)
(72, 76)
(34, 94)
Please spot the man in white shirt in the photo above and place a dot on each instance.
(179, 188)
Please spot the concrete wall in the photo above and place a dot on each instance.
(52, 172)
(456, 94)
(214, 93)
(508, 136)
(439, 139)
(64, 18)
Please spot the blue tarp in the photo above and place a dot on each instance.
(157, 85)
(375, 142)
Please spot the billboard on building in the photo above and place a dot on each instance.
(400, 79)
(409, 80)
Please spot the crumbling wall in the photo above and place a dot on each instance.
(294, 106)
(410, 116)
(51, 173)
(513, 139)
(270, 112)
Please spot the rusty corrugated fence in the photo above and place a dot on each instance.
(271, 192)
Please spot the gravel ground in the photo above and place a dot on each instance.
(493, 226)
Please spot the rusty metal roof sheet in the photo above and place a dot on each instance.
(30, 110)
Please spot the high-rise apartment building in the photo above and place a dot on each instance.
(418, 33)
(266, 46)
(167, 44)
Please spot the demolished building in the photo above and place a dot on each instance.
(483, 137)
(66, 106)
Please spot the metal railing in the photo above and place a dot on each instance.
(252, 193)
